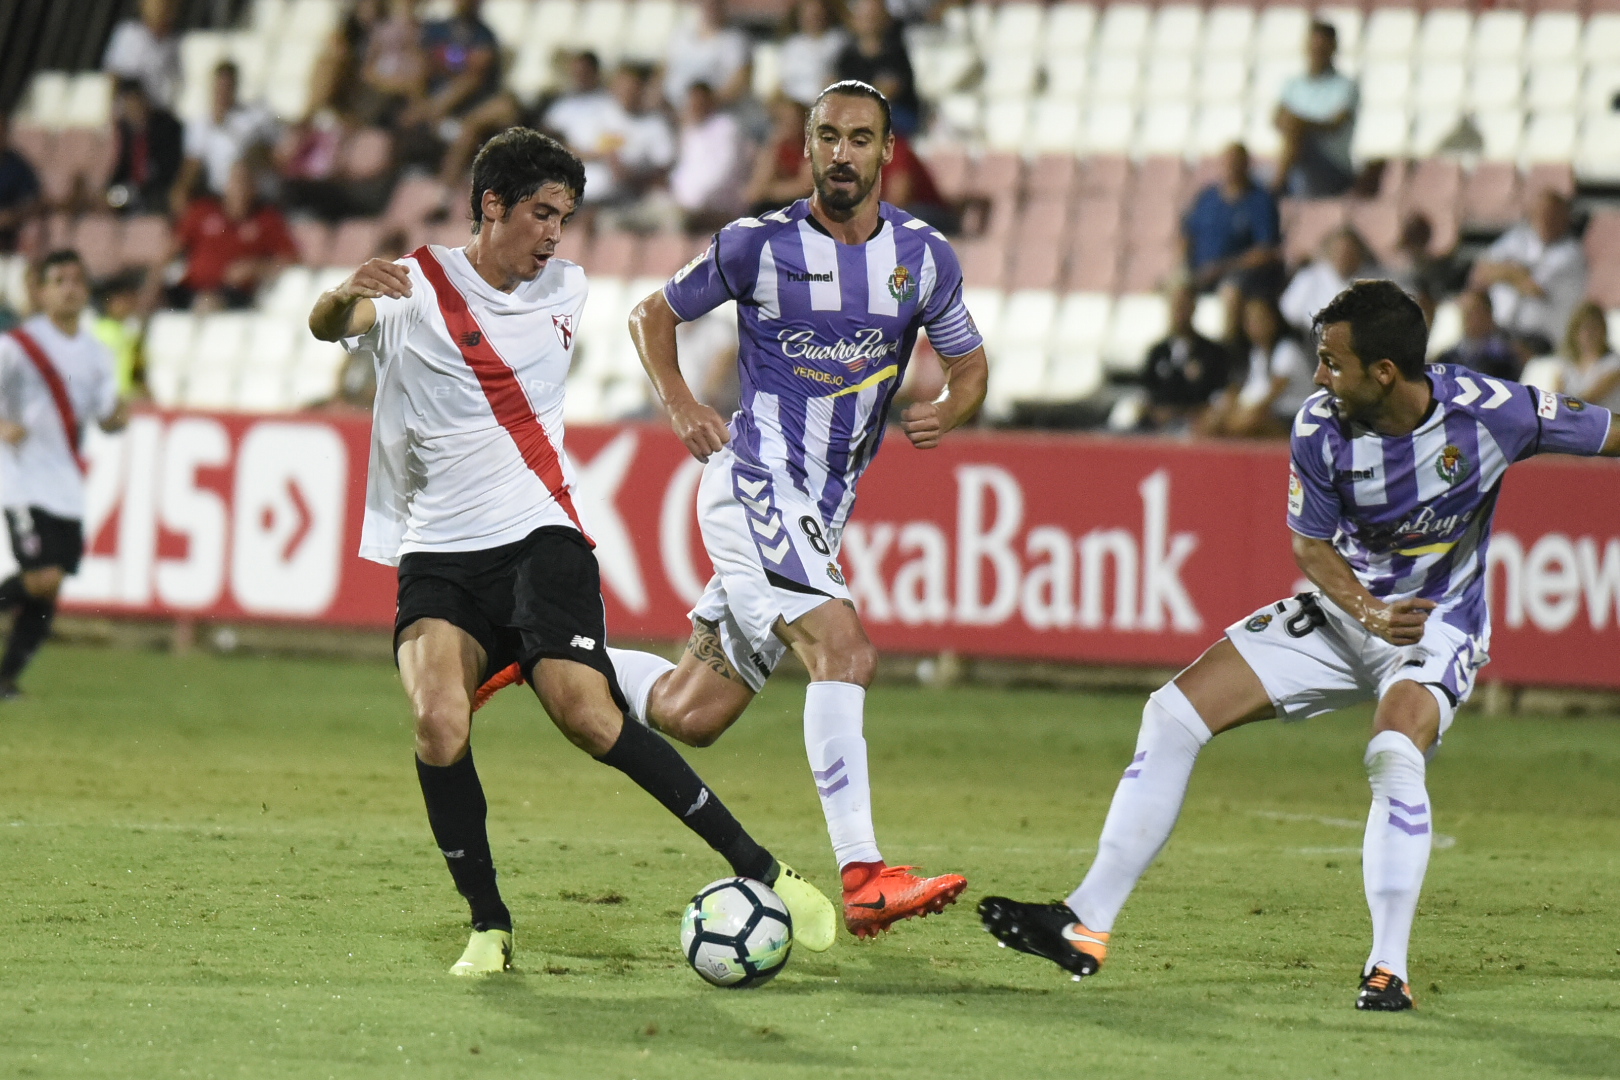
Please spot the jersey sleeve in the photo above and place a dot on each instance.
(1567, 425)
(1314, 508)
(721, 273)
(396, 318)
(950, 328)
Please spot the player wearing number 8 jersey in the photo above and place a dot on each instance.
(1395, 474)
(831, 293)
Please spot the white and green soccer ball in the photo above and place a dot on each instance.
(737, 933)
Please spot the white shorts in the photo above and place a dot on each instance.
(1313, 658)
(774, 558)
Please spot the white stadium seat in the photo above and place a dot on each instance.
(311, 20)
(1165, 131)
(1502, 130)
(1108, 128)
(1382, 131)
(267, 17)
(1554, 38)
(1054, 126)
(509, 19)
(651, 23)
(1123, 30)
(1595, 157)
(1553, 87)
(1496, 85)
(1168, 79)
(1601, 39)
(1082, 321)
(1549, 137)
(200, 52)
(1268, 78)
(1217, 127)
(1347, 23)
(1177, 30)
(1005, 121)
(288, 76)
(1441, 82)
(986, 307)
(1116, 78)
(1447, 329)
(1432, 126)
(1009, 74)
(1018, 374)
(1260, 133)
(88, 102)
(1072, 375)
(1601, 87)
(1068, 29)
(1386, 82)
(767, 76)
(1390, 34)
(170, 337)
(1445, 34)
(1222, 79)
(1498, 36)
(1067, 76)
(1140, 319)
(1281, 31)
(1228, 31)
(1209, 316)
(1017, 28)
(315, 373)
(601, 27)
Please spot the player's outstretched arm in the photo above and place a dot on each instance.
(1400, 623)
(965, 380)
(347, 310)
(652, 328)
(1611, 445)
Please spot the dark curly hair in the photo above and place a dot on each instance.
(1385, 324)
(519, 162)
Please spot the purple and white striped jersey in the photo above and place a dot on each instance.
(825, 332)
(1412, 514)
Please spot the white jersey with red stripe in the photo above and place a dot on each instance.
(467, 427)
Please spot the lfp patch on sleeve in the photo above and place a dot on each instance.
(1548, 408)
(1296, 493)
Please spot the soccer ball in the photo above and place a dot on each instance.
(737, 933)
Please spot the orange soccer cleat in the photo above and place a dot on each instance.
(878, 896)
(497, 682)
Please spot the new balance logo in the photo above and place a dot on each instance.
(456, 854)
(470, 340)
(581, 642)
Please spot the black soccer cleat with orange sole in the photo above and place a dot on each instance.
(1049, 931)
(1383, 991)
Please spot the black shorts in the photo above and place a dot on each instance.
(522, 602)
(40, 539)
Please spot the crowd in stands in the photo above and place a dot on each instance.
(400, 102)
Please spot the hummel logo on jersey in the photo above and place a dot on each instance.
(470, 340)
(826, 276)
(564, 325)
(582, 642)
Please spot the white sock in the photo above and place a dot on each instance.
(833, 714)
(1395, 852)
(1145, 806)
(637, 673)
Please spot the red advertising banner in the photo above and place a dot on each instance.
(1059, 547)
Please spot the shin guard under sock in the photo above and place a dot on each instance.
(457, 812)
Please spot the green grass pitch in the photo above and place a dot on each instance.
(221, 867)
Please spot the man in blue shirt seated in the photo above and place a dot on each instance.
(1231, 238)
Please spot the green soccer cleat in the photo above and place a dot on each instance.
(814, 922)
(488, 953)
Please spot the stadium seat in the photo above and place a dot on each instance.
(1553, 87)
(1495, 85)
(666, 253)
(1386, 82)
(962, 114)
(88, 102)
(97, 238)
(1139, 320)
(1600, 40)
(1499, 35)
(649, 26)
(509, 19)
(985, 307)
(1216, 127)
(616, 253)
(1108, 128)
(1072, 374)
(290, 295)
(1020, 347)
(1054, 126)
(1165, 129)
(1228, 32)
(170, 338)
(1116, 77)
(353, 242)
(14, 281)
(1005, 122)
(1267, 77)
(1067, 77)
(314, 240)
(1390, 34)
(314, 377)
(1053, 176)
(1490, 196)
(1503, 131)
(287, 77)
(1445, 35)
(1555, 176)
(1209, 316)
(1447, 328)
(1549, 137)
(1441, 83)
(200, 52)
(1105, 176)
(1280, 31)
(365, 155)
(1017, 28)
(1433, 126)
(1222, 79)
(1382, 132)
(1082, 321)
(1123, 30)
(414, 198)
(1147, 267)
(1306, 223)
(1168, 80)
(1068, 29)
(1602, 85)
(47, 99)
(310, 20)
(1379, 224)
(601, 26)
(1544, 373)
(950, 166)
(1038, 253)
(1347, 22)
(1177, 30)
(1554, 37)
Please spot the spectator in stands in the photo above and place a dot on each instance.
(1185, 371)
(462, 72)
(592, 123)
(148, 147)
(1317, 117)
(908, 184)
(781, 168)
(706, 182)
(117, 325)
(877, 55)
(148, 50)
(1428, 277)
(1343, 259)
(711, 52)
(1591, 370)
(373, 65)
(231, 246)
(19, 189)
(1484, 347)
(1280, 377)
(229, 133)
(1231, 238)
(642, 162)
(815, 37)
(1536, 274)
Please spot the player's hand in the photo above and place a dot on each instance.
(701, 428)
(922, 425)
(1402, 622)
(12, 433)
(377, 277)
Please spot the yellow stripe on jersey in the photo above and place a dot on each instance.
(1427, 549)
(871, 380)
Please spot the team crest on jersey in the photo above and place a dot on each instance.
(836, 574)
(902, 286)
(1257, 623)
(1574, 404)
(1451, 464)
(564, 325)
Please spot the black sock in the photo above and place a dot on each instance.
(28, 633)
(456, 811)
(661, 771)
(12, 593)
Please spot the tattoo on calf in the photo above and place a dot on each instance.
(705, 645)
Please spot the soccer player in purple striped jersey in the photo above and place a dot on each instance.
(1395, 474)
(831, 293)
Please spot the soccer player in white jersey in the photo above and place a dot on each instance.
(831, 293)
(471, 496)
(55, 379)
(1396, 469)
